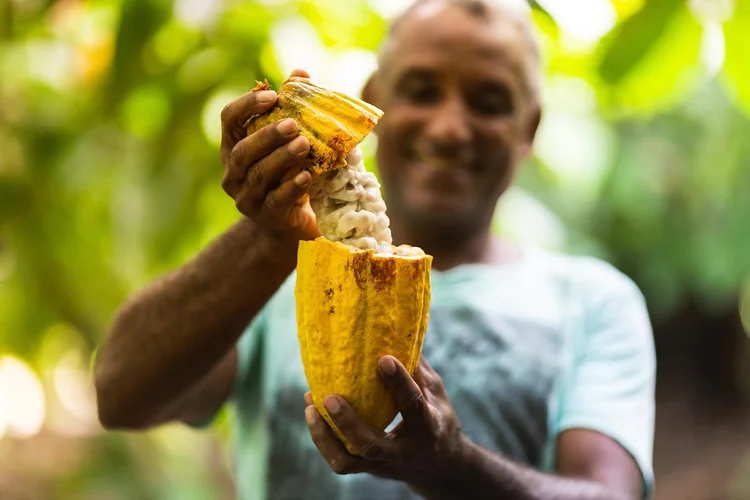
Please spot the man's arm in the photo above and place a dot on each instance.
(590, 466)
(604, 423)
(174, 341)
(170, 352)
(201, 402)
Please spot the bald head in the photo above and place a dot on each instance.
(507, 16)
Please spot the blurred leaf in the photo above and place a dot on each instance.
(630, 41)
(6, 20)
(544, 21)
(737, 59)
(14, 199)
(665, 73)
(146, 110)
(626, 8)
(140, 20)
(203, 70)
(345, 24)
(174, 41)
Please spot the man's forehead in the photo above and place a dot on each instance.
(496, 30)
(518, 8)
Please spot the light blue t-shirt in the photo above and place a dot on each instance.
(527, 350)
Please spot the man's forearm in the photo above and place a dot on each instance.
(481, 474)
(164, 339)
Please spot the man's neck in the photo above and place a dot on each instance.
(450, 249)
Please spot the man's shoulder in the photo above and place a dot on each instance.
(613, 309)
(589, 276)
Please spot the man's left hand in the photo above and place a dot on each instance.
(424, 449)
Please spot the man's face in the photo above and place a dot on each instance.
(458, 116)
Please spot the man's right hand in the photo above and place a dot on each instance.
(262, 171)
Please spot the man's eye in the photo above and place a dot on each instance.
(420, 93)
(491, 102)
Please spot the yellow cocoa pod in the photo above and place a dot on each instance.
(353, 307)
(333, 122)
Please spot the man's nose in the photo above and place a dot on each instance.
(448, 127)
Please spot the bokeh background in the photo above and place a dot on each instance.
(110, 175)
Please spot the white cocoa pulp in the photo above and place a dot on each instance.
(350, 209)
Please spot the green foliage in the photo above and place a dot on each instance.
(736, 33)
(632, 40)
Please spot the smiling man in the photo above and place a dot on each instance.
(538, 372)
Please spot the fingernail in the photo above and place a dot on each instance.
(302, 179)
(332, 405)
(287, 127)
(388, 366)
(311, 415)
(298, 145)
(265, 96)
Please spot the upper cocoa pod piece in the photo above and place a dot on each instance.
(333, 122)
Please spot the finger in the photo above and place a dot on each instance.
(362, 438)
(277, 166)
(308, 399)
(406, 393)
(281, 203)
(299, 72)
(329, 446)
(419, 378)
(236, 113)
(256, 147)
(264, 177)
(431, 380)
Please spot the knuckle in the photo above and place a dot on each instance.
(272, 204)
(226, 112)
(243, 204)
(432, 379)
(237, 155)
(239, 203)
(438, 384)
(431, 429)
(226, 184)
(255, 176)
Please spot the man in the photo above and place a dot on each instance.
(545, 362)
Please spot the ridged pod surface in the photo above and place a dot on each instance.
(333, 122)
(353, 307)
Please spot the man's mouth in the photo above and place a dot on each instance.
(436, 163)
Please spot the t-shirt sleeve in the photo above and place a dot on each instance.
(248, 350)
(611, 387)
(248, 346)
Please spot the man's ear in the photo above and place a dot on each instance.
(370, 91)
(532, 125)
(371, 94)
